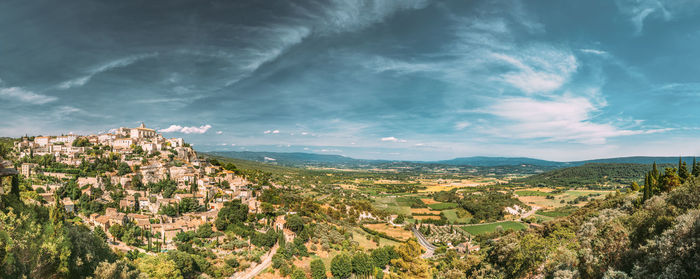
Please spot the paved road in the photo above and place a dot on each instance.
(429, 248)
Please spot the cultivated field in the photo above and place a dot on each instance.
(487, 228)
(396, 232)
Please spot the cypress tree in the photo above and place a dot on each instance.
(683, 172)
(696, 168)
(654, 173)
(647, 187)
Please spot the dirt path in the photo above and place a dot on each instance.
(529, 213)
(258, 268)
(266, 261)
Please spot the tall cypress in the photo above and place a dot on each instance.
(647, 186)
(683, 172)
(696, 168)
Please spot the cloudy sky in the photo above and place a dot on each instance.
(408, 79)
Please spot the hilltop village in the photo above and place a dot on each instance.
(157, 179)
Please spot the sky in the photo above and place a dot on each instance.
(404, 80)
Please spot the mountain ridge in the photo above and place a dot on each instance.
(304, 158)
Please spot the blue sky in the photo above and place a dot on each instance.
(410, 79)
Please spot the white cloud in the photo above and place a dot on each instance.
(564, 118)
(25, 96)
(463, 124)
(538, 69)
(276, 131)
(593, 51)
(271, 132)
(393, 139)
(186, 130)
(219, 132)
(638, 11)
(119, 63)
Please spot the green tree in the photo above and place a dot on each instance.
(298, 274)
(318, 269)
(654, 174)
(295, 223)
(123, 169)
(159, 266)
(669, 180)
(362, 265)
(683, 172)
(341, 266)
(634, 186)
(696, 168)
(120, 269)
(233, 213)
(409, 263)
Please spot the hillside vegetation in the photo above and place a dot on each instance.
(619, 237)
(591, 175)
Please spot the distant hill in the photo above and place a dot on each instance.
(592, 175)
(300, 159)
(500, 161)
(638, 160)
(295, 158)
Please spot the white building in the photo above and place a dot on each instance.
(122, 143)
(142, 132)
(41, 141)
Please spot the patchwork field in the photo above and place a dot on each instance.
(538, 197)
(389, 204)
(487, 228)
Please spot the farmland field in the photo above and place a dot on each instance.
(395, 232)
(451, 215)
(487, 228)
(532, 193)
(442, 206)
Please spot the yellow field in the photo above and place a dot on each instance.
(429, 201)
(396, 232)
(424, 211)
(567, 196)
(437, 185)
(426, 217)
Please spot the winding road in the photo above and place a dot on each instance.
(267, 260)
(258, 268)
(429, 248)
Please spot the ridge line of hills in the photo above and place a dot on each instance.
(313, 159)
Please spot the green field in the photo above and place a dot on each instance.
(443, 205)
(391, 205)
(451, 215)
(559, 212)
(487, 228)
(525, 193)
